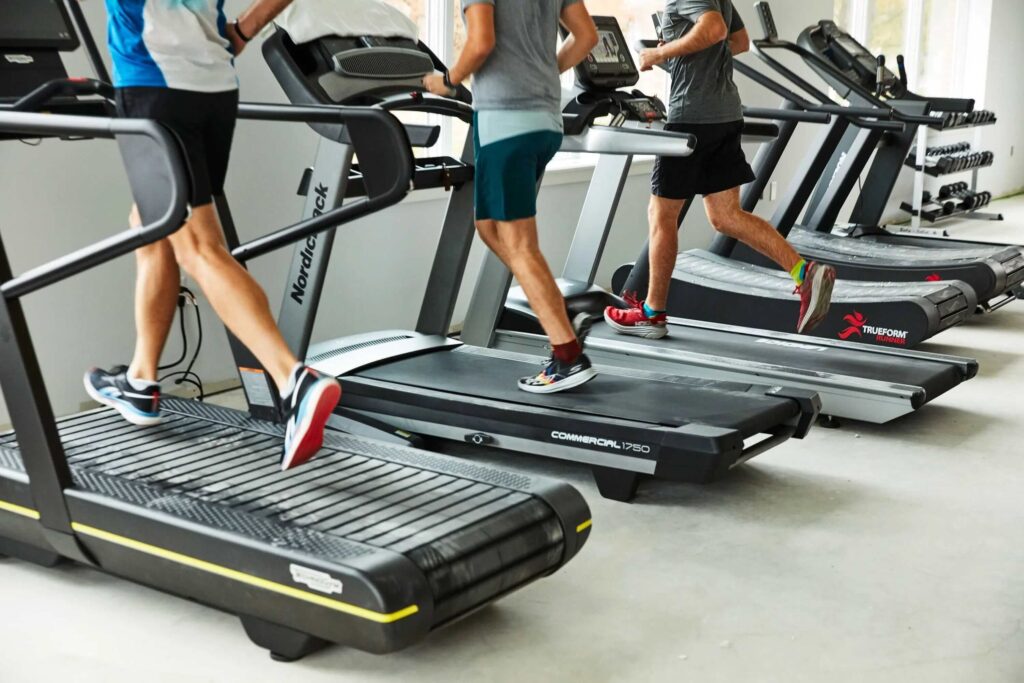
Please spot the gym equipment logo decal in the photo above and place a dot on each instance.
(858, 327)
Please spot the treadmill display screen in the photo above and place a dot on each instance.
(610, 65)
(35, 25)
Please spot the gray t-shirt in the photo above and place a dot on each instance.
(702, 87)
(522, 71)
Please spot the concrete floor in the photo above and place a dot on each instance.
(872, 553)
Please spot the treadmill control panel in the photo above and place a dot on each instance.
(649, 109)
(610, 65)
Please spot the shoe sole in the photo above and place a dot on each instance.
(824, 283)
(651, 332)
(566, 384)
(309, 435)
(126, 410)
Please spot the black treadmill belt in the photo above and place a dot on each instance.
(935, 378)
(669, 401)
(898, 254)
(220, 468)
(736, 275)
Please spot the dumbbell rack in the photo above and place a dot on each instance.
(956, 200)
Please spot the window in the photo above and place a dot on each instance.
(930, 34)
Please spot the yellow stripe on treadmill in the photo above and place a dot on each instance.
(580, 528)
(202, 565)
(18, 510)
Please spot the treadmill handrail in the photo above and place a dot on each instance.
(60, 87)
(389, 134)
(786, 115)
(430, 104)
(630, 141)
(125, 241)
(759, 46)
(855, 115)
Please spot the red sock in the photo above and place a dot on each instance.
(567, 353)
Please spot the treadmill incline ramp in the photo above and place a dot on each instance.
(370, 545)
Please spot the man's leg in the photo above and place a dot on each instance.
(516, 244)
(157, 282)
(729, 218)
(663, 219)
(647, 318)
(237, 299)
(814, 281)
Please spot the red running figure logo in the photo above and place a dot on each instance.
(856, 321)
(858, 326)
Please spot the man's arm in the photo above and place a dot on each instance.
(582, 36)
(709, 30)
(480, 42)
(739, 42)
(252, 21)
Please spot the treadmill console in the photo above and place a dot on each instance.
(32, 33)
(828, 40)
(647, 109)
(36, 25)
(610, 65)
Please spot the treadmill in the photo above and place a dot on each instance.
(995, 272)
(708, 285)
(854, 381)
(624, 424)
(372, 545)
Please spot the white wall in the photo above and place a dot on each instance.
(61, 195)
(1004, 96)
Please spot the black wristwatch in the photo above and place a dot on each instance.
(238, 30)
(448, 80)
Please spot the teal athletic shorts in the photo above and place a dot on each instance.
(508, 171)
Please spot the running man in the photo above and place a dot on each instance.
(511, 54)
(174, 63)
(700, 39)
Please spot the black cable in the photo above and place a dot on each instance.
(181, 329)
(187, 376)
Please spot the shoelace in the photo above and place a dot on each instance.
(632, 299)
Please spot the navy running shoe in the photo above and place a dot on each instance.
(309, 406)
(112, 388)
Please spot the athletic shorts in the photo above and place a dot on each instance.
(717, 164)
(204, 123)
(507, 174)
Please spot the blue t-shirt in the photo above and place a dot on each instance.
(179, 44)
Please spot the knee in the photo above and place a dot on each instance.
(195, 255)
(663, 217)
(723, 221)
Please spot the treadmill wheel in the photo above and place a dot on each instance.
(829, 422)
(285, 644)
(615, 484)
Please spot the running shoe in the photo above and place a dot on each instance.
(815, 296)
(310, 404)
(112, 388)
(633, 321)
(558, 376)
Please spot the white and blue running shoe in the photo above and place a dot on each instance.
(112, 388)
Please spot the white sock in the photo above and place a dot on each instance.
(140, 384)
(293, 377)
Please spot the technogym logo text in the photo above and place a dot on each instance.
(309, 250)
(858, 327)
(600, 442)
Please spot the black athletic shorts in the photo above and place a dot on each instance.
(204, 124)
(717, 163)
